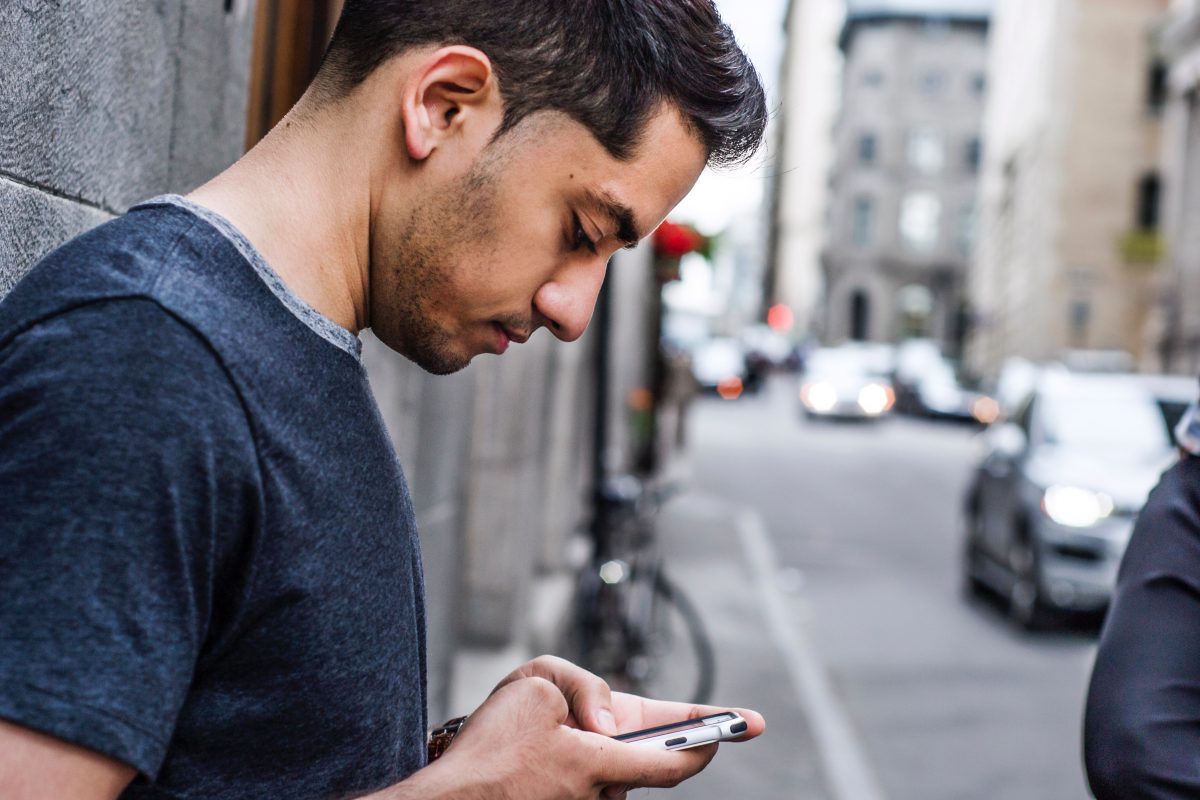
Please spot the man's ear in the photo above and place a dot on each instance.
(451, 88)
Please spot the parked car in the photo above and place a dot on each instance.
(938, 394)
(915, 360)
(1017, 379)
(1052, 502)
(719, 365)
(767, 345)
(845, 382)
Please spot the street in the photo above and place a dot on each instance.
(839, 614)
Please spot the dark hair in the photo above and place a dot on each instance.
(608, 64)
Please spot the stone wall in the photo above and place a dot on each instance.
(106, 103)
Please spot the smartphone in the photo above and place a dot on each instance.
(689, 732)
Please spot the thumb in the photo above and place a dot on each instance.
(633, 765)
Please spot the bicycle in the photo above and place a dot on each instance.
(633, 626)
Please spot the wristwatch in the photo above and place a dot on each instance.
(441, 737)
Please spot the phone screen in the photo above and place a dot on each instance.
(684, 725)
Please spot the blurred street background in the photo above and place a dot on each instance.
(882, 404)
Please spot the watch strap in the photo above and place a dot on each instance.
(441, 737)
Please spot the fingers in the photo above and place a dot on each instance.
(589, 698)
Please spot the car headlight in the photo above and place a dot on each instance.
(1075, 507)
(875, 399)
(819, 397)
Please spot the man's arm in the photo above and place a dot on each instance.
(35, 766)
(522, 743)
(1142, 725)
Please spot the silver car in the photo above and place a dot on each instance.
(847, 382)
(1056, 492)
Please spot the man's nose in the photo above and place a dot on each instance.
(566, 302)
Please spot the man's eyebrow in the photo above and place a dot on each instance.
(619, 213)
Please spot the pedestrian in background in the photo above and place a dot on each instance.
(1142, 725)
(208, 558)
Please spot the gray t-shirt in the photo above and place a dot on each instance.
(209, 566)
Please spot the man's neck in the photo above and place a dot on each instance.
(305, 205)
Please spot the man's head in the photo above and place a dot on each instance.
(532, 138)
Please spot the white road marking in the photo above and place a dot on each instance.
(843, 759)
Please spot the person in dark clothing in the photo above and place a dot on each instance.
(210, 574)
(1142, 723)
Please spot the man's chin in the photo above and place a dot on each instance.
(434, 360)
(440, 364)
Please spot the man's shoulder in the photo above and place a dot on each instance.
(116, 363)
(164, 252)
(146, 253)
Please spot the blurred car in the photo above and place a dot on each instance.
(915, 360)
(1017, 379)
(765, 350)
(939, 395)
(845, 382)
(766, 344)
(719, 365)
(1053, 499)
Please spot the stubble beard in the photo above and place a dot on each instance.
(421, 268)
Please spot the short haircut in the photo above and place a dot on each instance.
(608, 64)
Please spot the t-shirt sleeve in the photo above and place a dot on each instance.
(127, 470)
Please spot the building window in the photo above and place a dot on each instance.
(925, 151)
(872, 79)
(931, 81)
(968, 224)
(1156, 88)
(935, 27)
(1079, 314)
(978, 84)
(860, 315)
(866, 149)
(863, 220)
(920, 218)
(973, 154)
(1149, 188)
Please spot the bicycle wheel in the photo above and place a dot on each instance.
(677, 660)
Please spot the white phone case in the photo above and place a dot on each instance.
(689, 732)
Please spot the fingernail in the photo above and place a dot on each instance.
(605, 721)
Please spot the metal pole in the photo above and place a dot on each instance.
(602, 360)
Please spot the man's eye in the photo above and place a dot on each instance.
(580, 237)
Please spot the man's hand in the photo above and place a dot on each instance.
(594, 707)
(544, 733)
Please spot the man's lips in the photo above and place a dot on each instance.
(505, 335)
(516, 336)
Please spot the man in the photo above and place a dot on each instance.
(1142, 726)
(211, 579)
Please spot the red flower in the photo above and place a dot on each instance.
(673, 240)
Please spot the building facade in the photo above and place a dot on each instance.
(902, 209)
(1178, 321)
(809, 81)
(1069, 240)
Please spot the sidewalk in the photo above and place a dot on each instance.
(706, 555)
